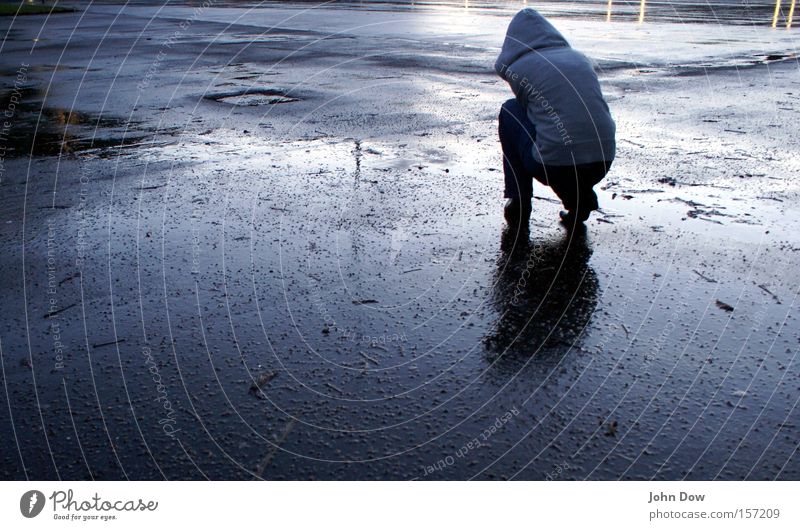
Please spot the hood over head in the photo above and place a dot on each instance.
(528, 31)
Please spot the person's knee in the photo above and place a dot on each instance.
(510, 108)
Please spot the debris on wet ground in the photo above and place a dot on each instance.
(766, 290)
(365, 301)
(705, 215)
(611, 428)
(334, 387)
(257, 388)
(703, 276)
(688, 202)
(69, 278)
(733, 405)
(631, 142)
(274, 448)
(670, 181)
(369, 358)
(547, 199)
(55, 312)
(725, 307)
(642, 190)
(624, 196)
(109, 343)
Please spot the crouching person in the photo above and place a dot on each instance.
(558, 129)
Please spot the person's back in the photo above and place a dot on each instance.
(560, 106)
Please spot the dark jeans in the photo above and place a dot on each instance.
(573, 184)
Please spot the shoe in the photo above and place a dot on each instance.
(517, 212)
(589, 205)
(570, 219)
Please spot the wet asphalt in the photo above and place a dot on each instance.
(270, 245)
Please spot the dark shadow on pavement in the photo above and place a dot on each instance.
(544, 293)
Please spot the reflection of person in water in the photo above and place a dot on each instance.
(544, 292)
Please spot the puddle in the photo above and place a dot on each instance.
(253, 98)
(51, 131)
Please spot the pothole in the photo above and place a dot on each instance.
(253, 98)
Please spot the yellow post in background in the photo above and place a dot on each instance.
(641, 11)
(777, 13)
(608, 11)
(791, 14)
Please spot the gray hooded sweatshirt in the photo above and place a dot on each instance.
(559, 89)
